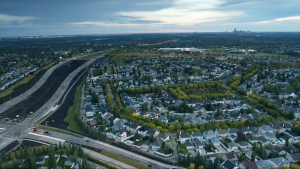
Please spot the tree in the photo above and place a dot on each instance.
(192, 166)
(51, 162)
(95, 98)
(15, 163)
(181, 119)
(177, 125)
(172, 127)
(253, 155)
(294, 166)
(201, 167)
(217, 164)
(144, 107)
(30, 160)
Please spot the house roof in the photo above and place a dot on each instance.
(279, 161)
(196, 134)
(265, 164)
(243, 143)
(189, 143)
(134, 126)
(184, 135)
(144, 128)
(228, 165)
(249, 164)
(230, 156)
(296, 156)
(162, 135)
(221, 131)
(232, 144)
(198, 143)
(40, 158)
(157, 143)
(208, 133)
(147, 143)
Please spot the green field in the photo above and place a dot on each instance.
(70, 118)
(124, 160)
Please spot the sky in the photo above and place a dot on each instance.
(72, 17)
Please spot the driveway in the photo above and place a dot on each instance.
(221, 149)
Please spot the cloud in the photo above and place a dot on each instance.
(185, 13)
(9, 18)
(103, 24)
(290, 18)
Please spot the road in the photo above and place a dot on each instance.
(53, 137)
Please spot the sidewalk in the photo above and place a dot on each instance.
(108, 160)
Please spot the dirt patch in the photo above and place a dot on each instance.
(44, 93)
(59, 115)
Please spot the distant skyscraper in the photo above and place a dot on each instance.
(234, 30)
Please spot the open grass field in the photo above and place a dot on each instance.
(136, 54)
(124, 160)
(24, 81)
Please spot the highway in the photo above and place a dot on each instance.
(53, 137)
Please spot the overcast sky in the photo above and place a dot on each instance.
(69, 17)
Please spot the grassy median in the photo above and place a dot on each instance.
(124, 160)
(70, 118)
(24, 81)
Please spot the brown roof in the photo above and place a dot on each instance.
(232, 144)
(296, 156)
(230, 156)
(221, 131)
(249, 164)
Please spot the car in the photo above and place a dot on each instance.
(46, 132)
(149, 165)
(41, 132)
(34, 130)
(87, 140)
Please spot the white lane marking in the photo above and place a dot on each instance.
(47, 137)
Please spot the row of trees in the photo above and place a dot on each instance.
(265, 105)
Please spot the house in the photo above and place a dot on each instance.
(246, 164)
(143, 130)
(70, 161)
(152, 132)
(146, 144)
(228, 165)
(264, 141)
(215, 141)
(40, 160)
(189, 145)
(197, 134)
(293, 158)
(270, 137)
(232, 131)
(89, 113)
(280, 161)
(232, 146)
(232, 137)
(183, 136)
(208, 135)
(252, 138)
(156, 144)
(292, 134)
(198, 144)
(221, 134)
(133, 128)
(265, 128)
(231, 157)
(287, 126)
(120, 124)
(262, 164)
(277, 128)
(248, 154)
(244, 145)
(163, 136)
(119, 135)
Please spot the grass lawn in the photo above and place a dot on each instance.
(182, 149)
(140, 143)
(59, 131)
(91, 56)
(70, 118)
(61, 162)
(226, 141)
(137, 54)
(124, 160)
(24, 81)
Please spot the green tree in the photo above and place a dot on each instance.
(30, 160)
(177, 126)
(144, 107)
(181, 119)
(192, 166)
(217, 164)
(201, 167)
(95, 98)
(253, 155)
(15, 164)
(51, 162)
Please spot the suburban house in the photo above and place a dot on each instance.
(244, 145)
(208, 135)
(293, 158)
(70, 161)
(89, 113)
(189, 145)
(231, 157)
(156, 144)
(40, 159)
(152, 132)
(163, 136)
(133, 128)
(197, 134)
(198, 144)
(119, 124)
(183, 136)
(143, 130)
(221, 134)
(232, 146)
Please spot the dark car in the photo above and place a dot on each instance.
(149, 165)
(46, 132)
(87, 140)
